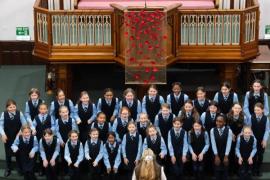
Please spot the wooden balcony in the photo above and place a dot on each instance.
(97, 36)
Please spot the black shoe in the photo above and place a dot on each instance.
(7, 173)
(259, 174)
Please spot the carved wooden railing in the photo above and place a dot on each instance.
(74, 35)
(218, 35)
(194, 35)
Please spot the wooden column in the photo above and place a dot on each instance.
(228, 72)
(64, 78)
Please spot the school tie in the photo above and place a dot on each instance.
(35, 104)
(100, 126)
(176, 98)
(26, 141)
(201, 103)
(197, 134)
(143, 126)
(129, 104)
(256, 95)
(109, 103)
(165, 118)
(43, 118)
(93, 143)
(85, 108)
(11, 115)
(225, 98)
(188, 115)
(132, 137)
(112, 148)
(246, 139)
(153, 141)
(213, 116)
(124, 123)
(258, 119)
(220, 132)
(177, 134)
(152, 99)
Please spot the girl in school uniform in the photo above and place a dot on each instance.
(164, 121)
(225, 98)
(189, 115)
(93, 150)
(41, 122)
(132, 103)
(26, 146)
(31, 106)
(112, 156)
(178, 147)
(198, 147)
(142, 124)
(236, 121)
(49, 148)
(221, 140)
(74, 154)
(102, 126)
(109, 105)
(120, 124)
(85, 114)
(131, 149)
(201, 103)
(209, 117)
(63, 126)
(246, 148)
(176, 98)
(11, 122)
(255, 95)
(260, 127)
(156, 143)
(61, 100)
(148, 168)
(151, 103)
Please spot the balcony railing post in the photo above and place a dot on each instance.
(242, 31)
(35, 26)
(49, 30)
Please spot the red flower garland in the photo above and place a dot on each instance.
(142, 31)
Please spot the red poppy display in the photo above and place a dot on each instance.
(145, 35)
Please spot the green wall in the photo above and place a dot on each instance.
(16, 81)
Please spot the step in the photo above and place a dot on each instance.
(15, 176)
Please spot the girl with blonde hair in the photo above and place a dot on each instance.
(148, 168)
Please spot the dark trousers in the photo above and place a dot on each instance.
(63, 165)
(198, 169)
(221, 171)
(51, 172)
(95, 172)
(111, 176)
(233, 168)
(29, 175)
(74, 172)
(9, 153)
(208, 157)
(258, 158)
(177, 169)
(245, 171)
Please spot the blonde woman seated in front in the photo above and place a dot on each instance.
(148, 168)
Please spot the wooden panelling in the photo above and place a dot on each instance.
(18, 53)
